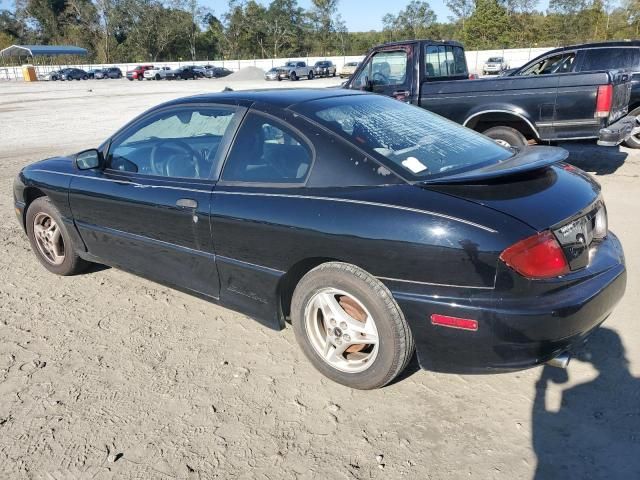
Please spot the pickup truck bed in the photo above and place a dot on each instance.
(546, 107)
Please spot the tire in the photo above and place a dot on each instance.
(130, 79)
(368, 366)
(140, 78)
(633, 141)
(310, 76)
(293, 77)
(85, 77)
(71, 264)
(506, 136)
(334, 74)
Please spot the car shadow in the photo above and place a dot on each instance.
(595, 159)
(595, 433)
(95, 268)
(412, 367)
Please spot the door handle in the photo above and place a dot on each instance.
(187, 203)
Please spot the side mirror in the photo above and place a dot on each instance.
(88, 159)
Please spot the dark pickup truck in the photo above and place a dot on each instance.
(589, 57)
(552, 104)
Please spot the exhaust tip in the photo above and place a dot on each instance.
(561, 361)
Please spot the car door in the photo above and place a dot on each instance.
(269, 159)
(387, 72)
(147, 210)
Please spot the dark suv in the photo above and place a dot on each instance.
(591, 57)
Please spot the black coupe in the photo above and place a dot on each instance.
(369, 224)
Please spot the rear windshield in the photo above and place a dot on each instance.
(417, 144)
(495, 59)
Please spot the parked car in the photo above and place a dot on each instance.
(138, 72)
(324, 68)
(494, 65)
(73, 74)
(273, 74)
(590, 57)
(217, 72)
(200, 71)
(154, 73)
(184, 73)
(348, 69)
(370, 224)
(295, 70)
(110, 72)
(548, 102)
(52, 76)
(93, 72)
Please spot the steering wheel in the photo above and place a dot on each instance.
(383, 79)
(162, 163)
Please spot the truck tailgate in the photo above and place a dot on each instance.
(621, 95)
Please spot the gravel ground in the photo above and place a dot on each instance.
(106, 375)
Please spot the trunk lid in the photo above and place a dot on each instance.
(542, 196)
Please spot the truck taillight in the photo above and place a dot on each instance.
(604, 100)
(538, 256)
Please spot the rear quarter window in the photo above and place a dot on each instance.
(611, 58)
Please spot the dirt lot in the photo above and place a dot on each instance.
(107, 375)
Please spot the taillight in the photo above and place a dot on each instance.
(539, 256)
(600, 224)
(604, 100)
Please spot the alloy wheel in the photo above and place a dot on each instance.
(341, 330)
(49, 238)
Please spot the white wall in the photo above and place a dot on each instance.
(475, 59)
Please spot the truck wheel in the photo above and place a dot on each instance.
(293, 77)
(634, 140)
(506, 136)
(310, 76)
(350, 327)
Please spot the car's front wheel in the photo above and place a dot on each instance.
(310, 76)
(50, 239)
(350, 327)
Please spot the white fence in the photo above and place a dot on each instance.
(475, 60)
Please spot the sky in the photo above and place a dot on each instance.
(363, 15)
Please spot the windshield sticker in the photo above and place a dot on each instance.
(413, 164)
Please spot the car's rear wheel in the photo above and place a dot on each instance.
(50, 239)
(310, 76)
(634, 140)
(506, 136)
(350, 327)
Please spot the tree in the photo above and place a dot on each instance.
(488, 27)
(462, 9)
(322, 16)
(414, 21)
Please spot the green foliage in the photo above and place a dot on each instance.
(163, 30)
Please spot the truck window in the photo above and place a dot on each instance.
(385, 68)
(560, 63)
(444, 61)
(610, 58)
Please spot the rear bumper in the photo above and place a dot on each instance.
(514, 332)
(618, 132)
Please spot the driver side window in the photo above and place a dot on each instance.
(180, 143)
(384, 69)
(560, 63)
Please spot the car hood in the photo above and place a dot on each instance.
(541, 197)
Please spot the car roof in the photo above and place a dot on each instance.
(280, 97)
(587, 46)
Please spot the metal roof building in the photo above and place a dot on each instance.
(41, 50)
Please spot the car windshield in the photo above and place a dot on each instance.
(417, 144)
(290, 64)
(495, 59)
